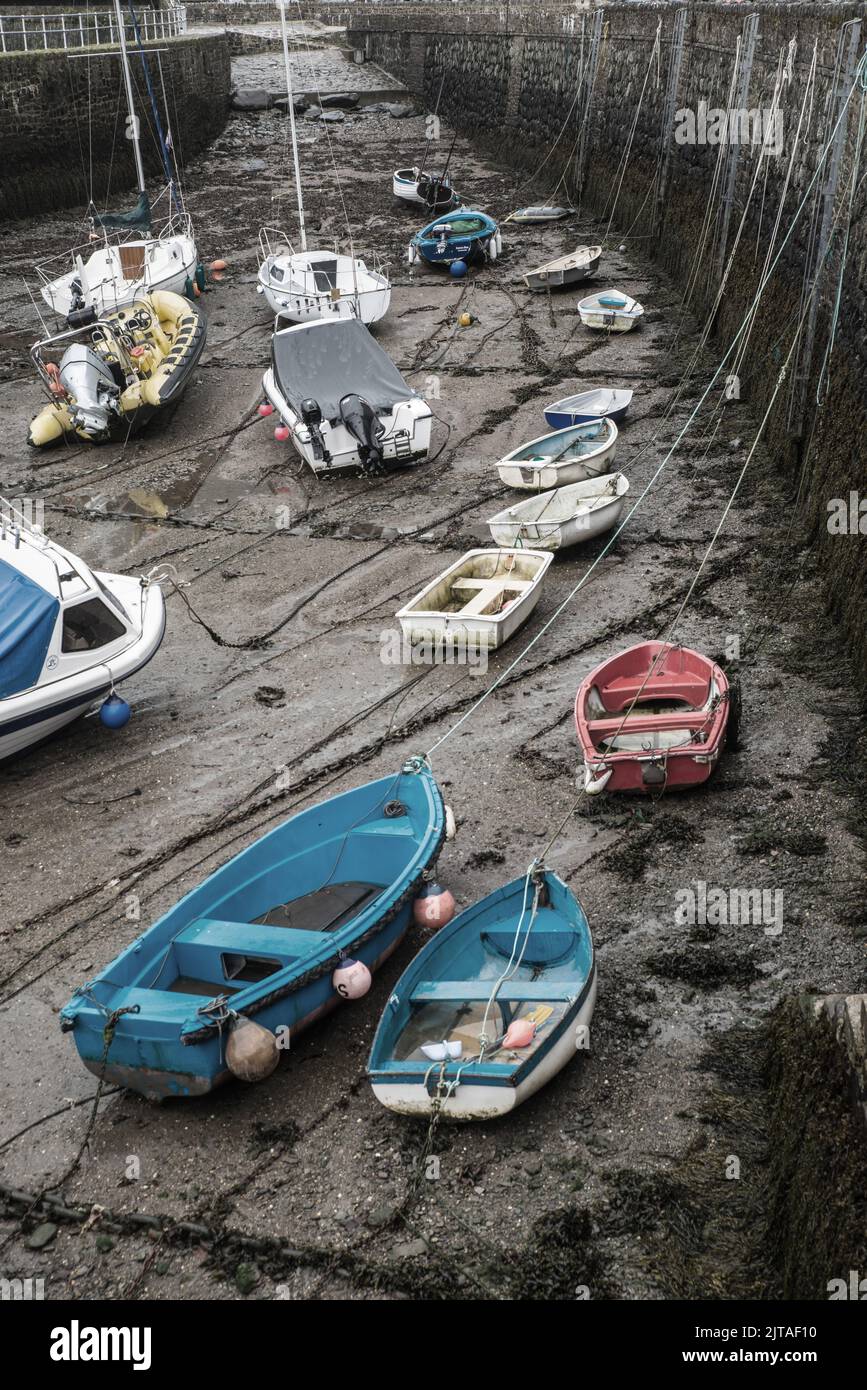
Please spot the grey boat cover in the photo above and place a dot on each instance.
(326, 361)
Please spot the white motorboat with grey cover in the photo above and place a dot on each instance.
(344, 401)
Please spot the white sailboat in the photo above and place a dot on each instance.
(120, 269)
(306, 285)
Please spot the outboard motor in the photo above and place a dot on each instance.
(81, 315)
(365, 426)
(311, 415)
(91, 387)
(76, 295)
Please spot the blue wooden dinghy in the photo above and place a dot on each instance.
(262, 938)
(493, 1007)
(464, 235)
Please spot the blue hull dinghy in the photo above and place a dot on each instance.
(600, 403)
(271, 937)
(471, 237)
(493, 1007)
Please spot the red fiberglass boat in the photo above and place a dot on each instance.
(654, 718)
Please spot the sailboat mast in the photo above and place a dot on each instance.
(127, 82)
(291, 109)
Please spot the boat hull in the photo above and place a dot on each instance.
(408, 428)
(233, 947)
(369, 303)
(508, 528)
(150, 1066)
(553, 472)
(669, 708)
(33, 716)
(173, 264)
(471, 1101)
(481, 632)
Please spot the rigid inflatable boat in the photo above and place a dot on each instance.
(108, 376)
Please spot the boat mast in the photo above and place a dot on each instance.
(291, 110)
(127, 81)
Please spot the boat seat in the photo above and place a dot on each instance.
(479, 991)
(487, 592)
(215, 934)
(616, 694)
(639, 723)
(326, 909)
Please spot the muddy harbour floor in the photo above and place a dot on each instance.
(612, 1179)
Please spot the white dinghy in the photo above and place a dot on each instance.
(118, 271)
(566, 456)
(68, 634)
(306, 285)
(609, 309)
(566, 516)
(482, 599)
(345, 403)
(565, 270)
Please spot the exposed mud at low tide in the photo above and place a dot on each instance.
(612, 1180)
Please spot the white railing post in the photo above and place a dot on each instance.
(2, 36)
(44, 34)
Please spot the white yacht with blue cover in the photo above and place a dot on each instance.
(68, 634)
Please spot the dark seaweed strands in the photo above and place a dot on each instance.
(211, 1030)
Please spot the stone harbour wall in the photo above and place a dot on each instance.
(58, 112)
(510, 77)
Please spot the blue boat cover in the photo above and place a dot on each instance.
(27, 617)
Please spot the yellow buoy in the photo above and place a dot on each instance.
(465, 319)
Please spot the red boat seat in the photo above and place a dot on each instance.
(619, 693)
(650, 723)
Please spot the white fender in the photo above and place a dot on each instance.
(451, 824)
(594, 784)
(412, 254)
(492, 249)
(499, 236)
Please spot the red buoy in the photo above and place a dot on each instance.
(433, 907)
(281, 433)
(266, 408)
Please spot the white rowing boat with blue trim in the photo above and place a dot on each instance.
(492, 1008)
(609, 309)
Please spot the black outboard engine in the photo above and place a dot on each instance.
(365, 426)
(80, 315)
(311, 415)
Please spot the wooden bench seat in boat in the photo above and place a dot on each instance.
(479, 991)
(487, 592)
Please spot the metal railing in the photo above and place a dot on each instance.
(26, 33)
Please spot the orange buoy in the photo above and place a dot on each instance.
(196, 291)
(218, 265)
(434, 906)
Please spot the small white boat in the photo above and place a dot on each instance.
(482, 599)
(68, 634)
(343, 400)
(566, 456)
(588, 405)
(566, 516)
(542, 212)
(419, 189)
(308, 285)
(610, 309)
(565, 270)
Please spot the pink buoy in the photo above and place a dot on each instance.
(266, 408)
(520, 1033)
(282, 433)
(433, 907)
(351, 979)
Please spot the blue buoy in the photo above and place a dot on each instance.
(114, 712)
(458, 269)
